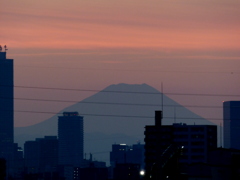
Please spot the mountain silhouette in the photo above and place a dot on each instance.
(117, 114)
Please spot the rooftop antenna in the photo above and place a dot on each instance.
(174, 114)
(5, 47)
(162, 97)
(220, 134)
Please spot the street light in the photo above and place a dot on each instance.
(142, 172)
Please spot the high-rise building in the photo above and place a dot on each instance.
(70, 136)
(231, 124)
(6, 107)
(162, 142)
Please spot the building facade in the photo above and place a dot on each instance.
(188, 143)
(231, 124)
(41, 155)
(90, 173)
(122, 154)
(70, 136)
(127, 171)
(6, 107)
(195, 140)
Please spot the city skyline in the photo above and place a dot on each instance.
(191, 47)
(71, 143)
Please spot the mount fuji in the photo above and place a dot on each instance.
(117, 114)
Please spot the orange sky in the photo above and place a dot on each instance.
(93, 24)
(189, 45)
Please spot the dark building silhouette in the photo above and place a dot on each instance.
(6, 106)
(176, 146)
(18, 162)
(90, 173)
(41, 155)
(196, 141)
(231, 124)
(66, 172)
(6, 110)
(122, 153)
(3, 172)
(93, 163)
(224, 164)
(126, 171)
(126, 156)
(70, 135)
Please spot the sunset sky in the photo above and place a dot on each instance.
(191, 46)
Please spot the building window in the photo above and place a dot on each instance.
(197, 150)
(197, 143)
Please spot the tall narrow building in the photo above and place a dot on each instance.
(6, 107)
(231, 124)
(70, 136)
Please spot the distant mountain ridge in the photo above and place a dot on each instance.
(122, 109)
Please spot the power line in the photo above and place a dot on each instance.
(118, 116)
(110, 103)
(112, 137)
(124, 92)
